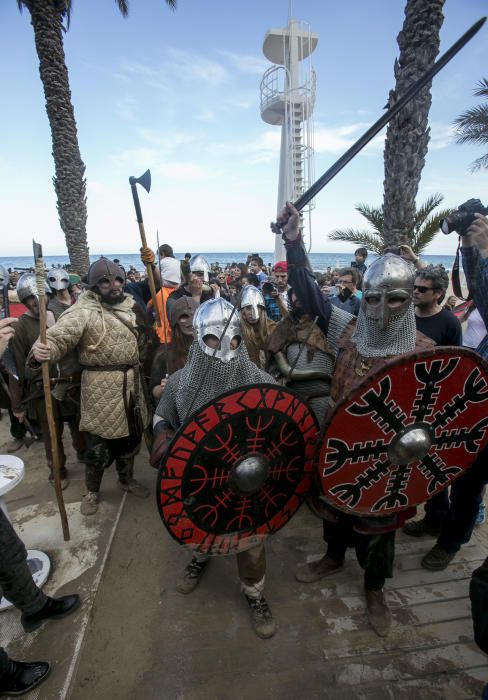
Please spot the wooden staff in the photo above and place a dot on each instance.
(145, 181)
(46, 381)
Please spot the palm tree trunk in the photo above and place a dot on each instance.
(408, 134)
(69, 181)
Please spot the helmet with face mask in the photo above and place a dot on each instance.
(252, 297)
(211, 319)
(27, 286)
(386, 319)
(58, 279)
(104, 269)
(199, 263)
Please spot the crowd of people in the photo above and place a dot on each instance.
(119, 377)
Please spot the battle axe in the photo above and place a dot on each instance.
(145, 181)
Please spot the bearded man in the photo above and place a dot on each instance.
(104, 329)
(217, 361)
(385, 329)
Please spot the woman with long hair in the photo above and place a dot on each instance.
(255, 325)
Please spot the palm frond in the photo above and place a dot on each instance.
(429, 229)
(426, 209)
(372, 214)
(479, 163)
(482, 89)
(171, 4)
(368, 239)
(123, 6)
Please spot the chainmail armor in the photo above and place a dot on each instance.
(186, 384)
(339, 320)
(315, 392)
(397, 338)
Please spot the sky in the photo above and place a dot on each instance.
(178, 92)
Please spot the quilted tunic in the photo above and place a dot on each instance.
(106, 337)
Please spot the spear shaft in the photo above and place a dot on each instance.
(46, 381)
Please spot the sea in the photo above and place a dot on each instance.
(319, 261)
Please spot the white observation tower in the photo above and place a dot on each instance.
(287, 100)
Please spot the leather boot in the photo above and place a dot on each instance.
(191, 576)
(307, 573)
(54, 608)
(379, 615)
(23, 676)
(261, 617)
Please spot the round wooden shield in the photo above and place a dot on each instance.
(405, 433)
(238, 469)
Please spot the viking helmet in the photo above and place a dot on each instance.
(58, 279)
(252, 296)
(387, 289)
(4, 277)
(211, 319)
(104, 269)
(27, 287)
(199, 263)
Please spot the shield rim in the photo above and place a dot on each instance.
(437, 351)
(245, 387)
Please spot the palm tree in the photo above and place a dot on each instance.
(426, 225)
(407, 135)
(472, 125)
(50, 19)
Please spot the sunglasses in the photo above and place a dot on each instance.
(422, 289)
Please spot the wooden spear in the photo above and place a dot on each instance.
(46, 381)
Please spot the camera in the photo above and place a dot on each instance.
(269, 287)
(462, 218)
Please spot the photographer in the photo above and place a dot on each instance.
(475, 263)
(346, 298)
(467, 491)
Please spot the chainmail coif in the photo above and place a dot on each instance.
(398, 337)
(185, 389)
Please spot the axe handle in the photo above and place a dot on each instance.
(150, 276)
(46, 381)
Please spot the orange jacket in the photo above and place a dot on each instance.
(164, 330)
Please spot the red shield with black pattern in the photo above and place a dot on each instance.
(406, 433)
(238, 469)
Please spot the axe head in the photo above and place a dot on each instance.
(37, 248)
(144, 180)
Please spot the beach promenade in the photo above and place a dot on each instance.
(135, 637)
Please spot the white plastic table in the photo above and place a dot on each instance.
(11, 474)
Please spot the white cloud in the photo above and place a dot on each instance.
(338, 139)
(126, 107)
(182, 171)
(246, 63)
(166, 140)
(441, 136)
(195, 67)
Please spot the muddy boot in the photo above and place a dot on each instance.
(417, 528)
(261, 617)
(191, 576)
(437, 559)
(379, 615)
(89, 504)
(134, 487)
(307, 573)
(14, 445)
